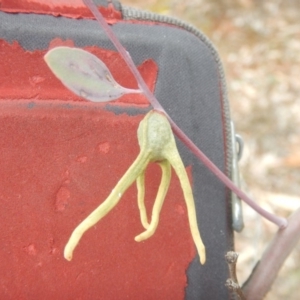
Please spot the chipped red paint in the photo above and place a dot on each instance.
(46, 191)
(60, 156)
(67, 8)
(32, 83)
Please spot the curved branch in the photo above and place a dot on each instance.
(266, 270)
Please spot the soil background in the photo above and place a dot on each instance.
(259, 45)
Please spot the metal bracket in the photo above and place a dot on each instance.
(237, 152)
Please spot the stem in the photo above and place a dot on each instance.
(126, 56)
(281, 222)
(266, 270)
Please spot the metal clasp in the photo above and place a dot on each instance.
(237, 146)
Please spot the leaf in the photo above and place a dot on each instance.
(84, 74)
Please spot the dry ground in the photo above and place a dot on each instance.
(259, 44)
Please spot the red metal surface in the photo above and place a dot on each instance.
(60, 156)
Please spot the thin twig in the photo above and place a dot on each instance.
(125, 55)
(232, 283)
(281, 222)
(266, 270)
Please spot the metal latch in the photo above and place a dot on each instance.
(237, 145)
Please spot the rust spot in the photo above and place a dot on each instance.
(179, 209)
(81, 159)
(62, 198)
(104, 147)
(30, 249)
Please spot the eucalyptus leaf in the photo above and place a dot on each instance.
(84, 74)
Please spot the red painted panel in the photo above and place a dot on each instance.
(60, 156)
